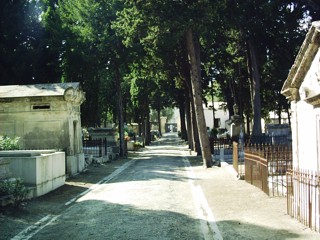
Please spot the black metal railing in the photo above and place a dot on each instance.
(96, 148)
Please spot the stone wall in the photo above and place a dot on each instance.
(45, 123)
(38, 128)
(43, 171)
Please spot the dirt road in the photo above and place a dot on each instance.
(148, 197)
(158, 193)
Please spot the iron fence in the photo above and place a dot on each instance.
(271, 139)
(96, 148)
(235, 156)
(224, 143)
(266, 166)
(303, 197)
(238, 160)
(256, 169)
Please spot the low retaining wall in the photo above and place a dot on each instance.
(75, 164)
(43, 171)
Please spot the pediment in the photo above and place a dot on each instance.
(309, 89)
(305, 67)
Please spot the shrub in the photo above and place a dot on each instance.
(14, 188)
(4, 188)
(7, 143)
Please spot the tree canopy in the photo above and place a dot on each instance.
(140, 52)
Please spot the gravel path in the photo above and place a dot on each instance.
(159, 193)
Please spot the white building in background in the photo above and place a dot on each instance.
(220, 115)
(274, 118)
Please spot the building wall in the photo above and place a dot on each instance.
(41, 123)
(306, 121)
(306, 136)
(220, 114)
(44, 171)
(45, 123)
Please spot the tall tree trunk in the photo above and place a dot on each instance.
(193, 47)
(288, 115)
(148, 131)
(279, 114)
(123, 150)
(188, 117)
(183, 129)
(125, 103)
(159, 121)
(143, 128)
(248, 123)
(196, 139)
(141, 131)
(239, 97)
(185, 66)
(254, 74)
(193, 122)
(147, 123)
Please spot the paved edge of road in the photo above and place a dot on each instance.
(30, 231)
(208, 223)
(103, 180)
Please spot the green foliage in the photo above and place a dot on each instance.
(129, 131)
(19, 192)
(275, 28)
(214, 132)
(138, 144)
(89, 50)
(86, 40)
(7, 143)
(167, 112)
(4, 188)
(26, 55)
(14, 188)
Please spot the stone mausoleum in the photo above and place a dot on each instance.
(302, 89)
(45, 116)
